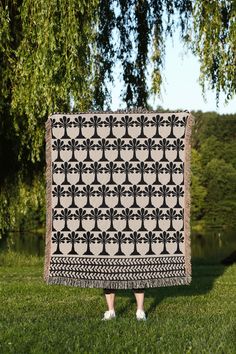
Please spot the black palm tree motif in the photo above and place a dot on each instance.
(65, 215)
(55, 169)
(111, 215)
(141, 122)
(177, 192)
(65, 123)
(164, 238)
(178, 238)
(72, 146)
(135, 238)
(157, 215)
(80, 168)
(134, 145)
(149, 192)
(73, 192)
(178, 145)
(142, 168)
(150, 238)
(157, 168)
(95, 122)
(103, 145)
(164, 192)
(127, 168)
(149, 145)
(134, 191)
(171, 168)
(171, 215)
(172, 121)
(58, 145)
(157, 121)
(88, 191)
(95, 214)
(66, 168)
(80, 214)
(103, 192)
(80, 122)
(119, 191)
(181, 217)
(127, 214)
(88, 145)
(58, 238)
(181, 171)
(73, 238)
(118, 145)
(164, 145)
(104, 238)
(95, 168)
(111, 122)
(183, 123)
(58, 192)
(126, 122)
(54, 124)
(119, 238)
(142, 215)
(55, 216)
(111, 168)
(88, 238)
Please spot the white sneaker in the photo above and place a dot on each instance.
(108, 315)
(140, 315)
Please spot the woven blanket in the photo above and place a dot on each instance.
(118, 199)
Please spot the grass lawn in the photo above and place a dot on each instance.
(40, 318)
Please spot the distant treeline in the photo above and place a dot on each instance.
(213, 178)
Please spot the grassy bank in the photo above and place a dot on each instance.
(38, 318)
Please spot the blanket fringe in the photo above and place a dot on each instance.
(48, 200)
(187, 186)
(129, 284)
(132, 110)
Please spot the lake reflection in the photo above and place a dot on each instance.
(211, 246)
(26, 243)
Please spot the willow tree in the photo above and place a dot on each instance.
(213, 40)
(46, 57)
(207, 27)
(55, 52)
(141, 27)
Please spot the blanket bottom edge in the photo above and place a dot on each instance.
(128, 284)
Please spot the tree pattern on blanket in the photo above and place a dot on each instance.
(118, 190)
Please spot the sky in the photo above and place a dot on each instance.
(180, 88)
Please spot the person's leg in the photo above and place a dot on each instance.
(110, 298)
(139, 295)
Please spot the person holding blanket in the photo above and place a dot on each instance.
(110, 299)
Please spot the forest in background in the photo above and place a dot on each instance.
(213, 179)
(213, 170)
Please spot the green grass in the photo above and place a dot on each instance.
(40, 318)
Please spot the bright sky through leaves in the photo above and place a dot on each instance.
(180, 89)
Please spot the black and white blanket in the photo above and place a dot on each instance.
(118, 199)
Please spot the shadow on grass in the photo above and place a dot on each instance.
(204, 274)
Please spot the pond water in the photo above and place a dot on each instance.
(209, 247)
